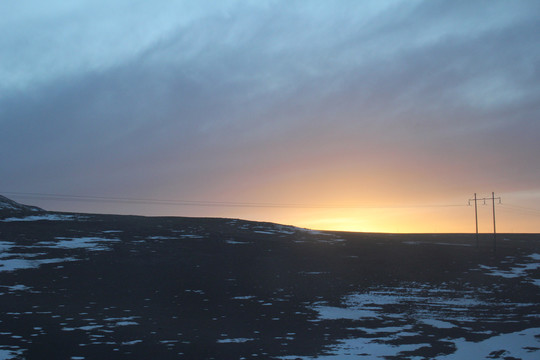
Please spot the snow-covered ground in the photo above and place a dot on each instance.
(522, 345)
(10, 352)
(397, 318)
(414, 310)
(16, 257)
(518, 270)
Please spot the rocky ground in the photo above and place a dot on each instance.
(121, 287)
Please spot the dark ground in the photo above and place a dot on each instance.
(181, 288)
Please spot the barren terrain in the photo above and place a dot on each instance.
(76, 286)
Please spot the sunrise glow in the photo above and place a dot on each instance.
(378, 116)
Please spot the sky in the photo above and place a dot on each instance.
(375, 115)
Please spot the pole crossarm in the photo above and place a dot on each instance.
(485, 199)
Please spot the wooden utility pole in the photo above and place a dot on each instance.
(476, 218)
(494, 228)
(492, 198)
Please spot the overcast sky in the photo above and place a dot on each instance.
(325, 103)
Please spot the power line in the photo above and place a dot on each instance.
(206, 203)
(521, 209)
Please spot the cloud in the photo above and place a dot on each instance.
(60, 39)
(206, 101)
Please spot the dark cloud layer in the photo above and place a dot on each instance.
(442, 95)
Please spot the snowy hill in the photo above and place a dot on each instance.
(10, 208)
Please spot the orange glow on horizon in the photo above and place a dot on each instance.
(455, 219)
(459, 219)
(339, 203)
(336, 209)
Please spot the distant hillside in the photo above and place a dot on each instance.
(10, 208)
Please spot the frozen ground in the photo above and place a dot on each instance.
(412, 312)
(46, 217)
(136, 288)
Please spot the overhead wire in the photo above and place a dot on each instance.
(207, 203)
(521, 209)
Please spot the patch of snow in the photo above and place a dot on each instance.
(363, 348)
(192, 236)
(17, 261)
(19, 264)
(314, 232)
(286, 232)
(521, 344)
(49, 217)
(119, 318)
(535, 257)
(10, 352)
(247, 297)
(18, 288)
(126, 323)
(234, 340)
(4, 205)
(90, 327)
(133, 342)
(438, 323)
(232, 242)
(200, 292)
(520, 270)
(385, 330)
(5, 246)
(90, 243)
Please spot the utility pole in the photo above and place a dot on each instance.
(492, 198)
(494, 228)
(476, 218)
